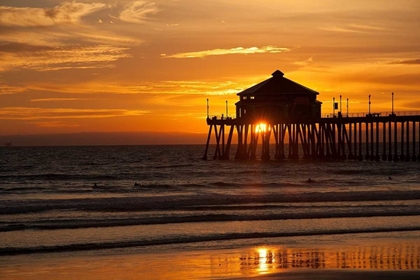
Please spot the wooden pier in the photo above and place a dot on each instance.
(393, 138)
(291, 122)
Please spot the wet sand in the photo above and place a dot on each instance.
(343, 275)
(363, 259)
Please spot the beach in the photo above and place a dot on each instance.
(365, 256)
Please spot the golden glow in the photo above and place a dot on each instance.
(140, 60)
(265, 260)
(222, 264)
(238, 50)
(261, 128)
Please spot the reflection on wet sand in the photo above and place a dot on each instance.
(219, 264)
(405, 256)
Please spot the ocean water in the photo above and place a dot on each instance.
(73, 199)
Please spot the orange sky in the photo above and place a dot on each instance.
(133, 66)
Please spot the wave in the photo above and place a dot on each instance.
(20, 189)
(188, 239)
(172, 166)
(59, 177)
(180, 201)
(79, 224)
(370, 172)
(224, 184)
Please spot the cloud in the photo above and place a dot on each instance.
(76, 57)
(238, 50)
(353, 28)
(156, 90)
(67, 12)
(57, 99)
(340, 29)
(409, 62)
(61, 25)
(30, 39)
(5, 89)
(28, 113)
(54, 124)
(367, 27)
(305, 62)
(137, 11)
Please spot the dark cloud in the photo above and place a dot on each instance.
(21, 47)
(410, 61)
(51, 13)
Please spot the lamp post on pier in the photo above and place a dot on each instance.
(392, 103)
(340, 105)
(369, 104)
(347, 113)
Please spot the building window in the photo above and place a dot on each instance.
(252, 97)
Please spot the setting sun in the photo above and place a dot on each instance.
(261, 127)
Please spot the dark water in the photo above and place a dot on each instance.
(56, 199)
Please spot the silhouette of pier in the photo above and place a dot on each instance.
(287, 114)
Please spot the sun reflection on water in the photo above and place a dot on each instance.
(265, 260)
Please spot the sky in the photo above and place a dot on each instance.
(149, 66)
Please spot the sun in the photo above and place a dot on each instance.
(261, 127)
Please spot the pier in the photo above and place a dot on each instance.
(287, 115)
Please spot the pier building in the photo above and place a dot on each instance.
(278, 98)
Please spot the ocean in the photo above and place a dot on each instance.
(77, 200)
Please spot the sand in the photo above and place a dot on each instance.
(359, 259)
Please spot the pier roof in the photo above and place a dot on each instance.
(277, 84)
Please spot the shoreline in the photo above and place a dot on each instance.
(342, 275)
(354, 256)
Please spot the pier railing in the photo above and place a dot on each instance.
(378, 114)
(336, 115)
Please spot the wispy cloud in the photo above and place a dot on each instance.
(158, 89)
(67, 12)
(367, 27)
(305, 62)
(6, 89)
(238, 50)
(409, 61)
(58, 99)
(63, 58)
(353, 28)
(340, 29)
(28, 113)
(31, 39)
(138, 11)
(49, 39)
(54, 124)
(64, 36)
